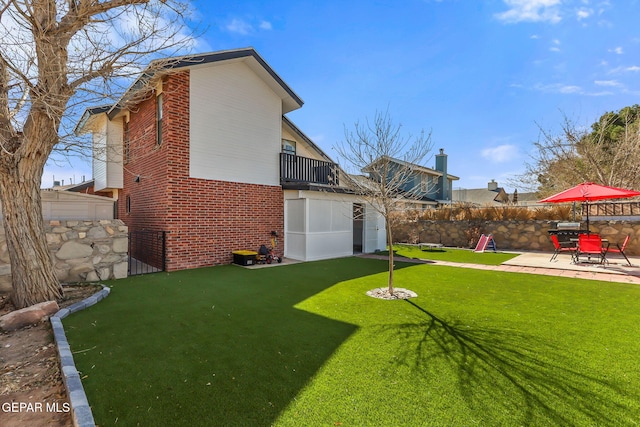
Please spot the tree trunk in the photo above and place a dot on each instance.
(33, 276)
(390, 243)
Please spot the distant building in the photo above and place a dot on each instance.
(427, 187)
(492, 195)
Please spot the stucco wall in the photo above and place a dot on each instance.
(509, 235)
(81, 251)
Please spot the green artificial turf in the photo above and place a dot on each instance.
(453, 255)
(302, 345)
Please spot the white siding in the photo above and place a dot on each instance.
(107, 153)
(295, 241)
(115, 177)
(235, 125)
(302, 149)
(320, 226)
(100, 153)
(330, 231)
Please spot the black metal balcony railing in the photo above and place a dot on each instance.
(303, 169)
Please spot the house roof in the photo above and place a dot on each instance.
(290, 100)
(364, 182)
(480, 196)
(413, 166)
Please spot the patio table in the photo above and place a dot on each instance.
(431, 246)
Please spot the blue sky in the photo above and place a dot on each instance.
(480, 75)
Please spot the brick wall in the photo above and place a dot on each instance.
(206, 220)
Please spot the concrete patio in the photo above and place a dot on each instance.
(617, 270)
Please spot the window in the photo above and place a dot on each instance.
(126, 142)
(288, 147)
(159, 114)
(128, 204)
(424, 183)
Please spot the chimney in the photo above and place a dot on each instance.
(493, 185)
(443, 181)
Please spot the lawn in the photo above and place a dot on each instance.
(454, 255)
(302, 345)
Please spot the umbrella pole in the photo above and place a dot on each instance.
(588, 229)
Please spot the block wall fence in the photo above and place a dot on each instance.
(82, 251)
(509, 235)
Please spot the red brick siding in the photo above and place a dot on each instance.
(149, 162)
(206, 220)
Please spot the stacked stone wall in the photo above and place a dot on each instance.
(82, 251)
(509, 235)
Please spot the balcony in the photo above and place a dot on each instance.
(297, 169)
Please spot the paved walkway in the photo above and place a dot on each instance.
(538, 263)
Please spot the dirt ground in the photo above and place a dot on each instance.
(31, 389)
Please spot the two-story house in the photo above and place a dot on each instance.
(200, 148)
(420, 186)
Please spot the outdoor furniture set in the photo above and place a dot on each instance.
(590, 246)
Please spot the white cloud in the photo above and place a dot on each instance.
(629, 69)
(559, 88)
(244, 27)
(531, 11)
(583, 13)
(608, 83)
(239, 26)
(617, 50)
(501, 153)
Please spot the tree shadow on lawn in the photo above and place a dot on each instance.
(504, 374)
(217, 346)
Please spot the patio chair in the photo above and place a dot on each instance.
(589, 245)
(620, 249)
(562, 247)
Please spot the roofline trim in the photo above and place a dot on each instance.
(174, 63)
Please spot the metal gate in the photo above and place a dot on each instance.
(146, 252)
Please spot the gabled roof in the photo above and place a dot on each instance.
(86, 117)
(412, 166)
(290, 100)
(366, 183)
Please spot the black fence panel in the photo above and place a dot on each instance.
(147, 252)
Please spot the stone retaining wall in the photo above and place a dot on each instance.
(82, 251)
(509, 235)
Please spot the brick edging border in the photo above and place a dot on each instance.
(81, 411)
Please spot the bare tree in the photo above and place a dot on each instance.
(606, 153)
(56, 55)
(391, 160)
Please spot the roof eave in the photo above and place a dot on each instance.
(290, 100)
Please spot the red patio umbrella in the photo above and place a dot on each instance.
(587, 192)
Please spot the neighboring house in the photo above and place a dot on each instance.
(199, 147)
(426, 187)
(492, 195)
